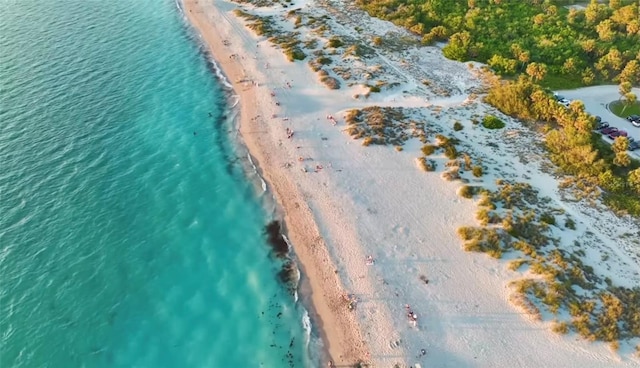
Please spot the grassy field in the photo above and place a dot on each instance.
(622, 110)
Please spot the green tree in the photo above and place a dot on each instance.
(619, 147)
(605, 30)
(630, 99)
(537, 71)
(610, 182)
(623, 89)
(458, 46)
(633, 179)
(631, 72)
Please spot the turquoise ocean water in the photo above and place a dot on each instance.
(129, 234)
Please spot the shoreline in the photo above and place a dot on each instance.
(319, 286)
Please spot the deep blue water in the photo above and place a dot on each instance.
(129, 236)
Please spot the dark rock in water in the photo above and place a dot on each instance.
(276, 240)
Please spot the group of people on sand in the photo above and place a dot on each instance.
(413, 317)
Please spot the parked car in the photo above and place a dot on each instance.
(617, 133)
(636, 123)
(564, 102)
(634, 146)
(601, 125)
(632, 118)
(609, 130)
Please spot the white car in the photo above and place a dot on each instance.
(564, 102)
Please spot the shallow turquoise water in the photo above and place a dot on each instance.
(128, 235)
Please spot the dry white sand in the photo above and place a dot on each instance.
(344, 202)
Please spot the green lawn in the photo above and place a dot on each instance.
(622, 110)
(556, 82)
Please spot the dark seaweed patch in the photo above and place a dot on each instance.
(276, 240)
(288, 275)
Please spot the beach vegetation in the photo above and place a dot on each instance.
(425, 165)
(477, 171)
(548, 218)
(335, 42)
(467, 191)
(428, 149)
(330, 82)
(570, 224)
(562, 282)
(377, 41)
(457, 126)
(516, 264)
(451, 174)
(467, 161)
(492, 122)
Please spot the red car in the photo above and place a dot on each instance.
(617, 133)
(609, 130)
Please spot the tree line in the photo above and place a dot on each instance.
(560, 45)
(571, 142)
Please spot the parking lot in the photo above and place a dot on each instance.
(595, 101)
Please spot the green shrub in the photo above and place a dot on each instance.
(335, 42)
(560, 327)
(570, 224)
(492, 122)
(457, 126)
(428, 149)
(467, 191)
(451, 152)
(374, 89)
(426, 165)
(516, 264)
(294, 53)
(477, 171)
(330, 82)
(377, 41)
(548, 218)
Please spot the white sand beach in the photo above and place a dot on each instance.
(344, 202)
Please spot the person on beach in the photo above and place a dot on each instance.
(370, 261)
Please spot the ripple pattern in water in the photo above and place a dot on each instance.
(124, 239)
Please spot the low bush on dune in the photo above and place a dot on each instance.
(428, 149)
(330, 82)
(477, 171)
(467, 191)
(451, 174)
(295, 53)
(335, 41)
(514, 219)
(457, 126)
(426, 165)
(450, 152)
(492, 122)
(374, 89)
